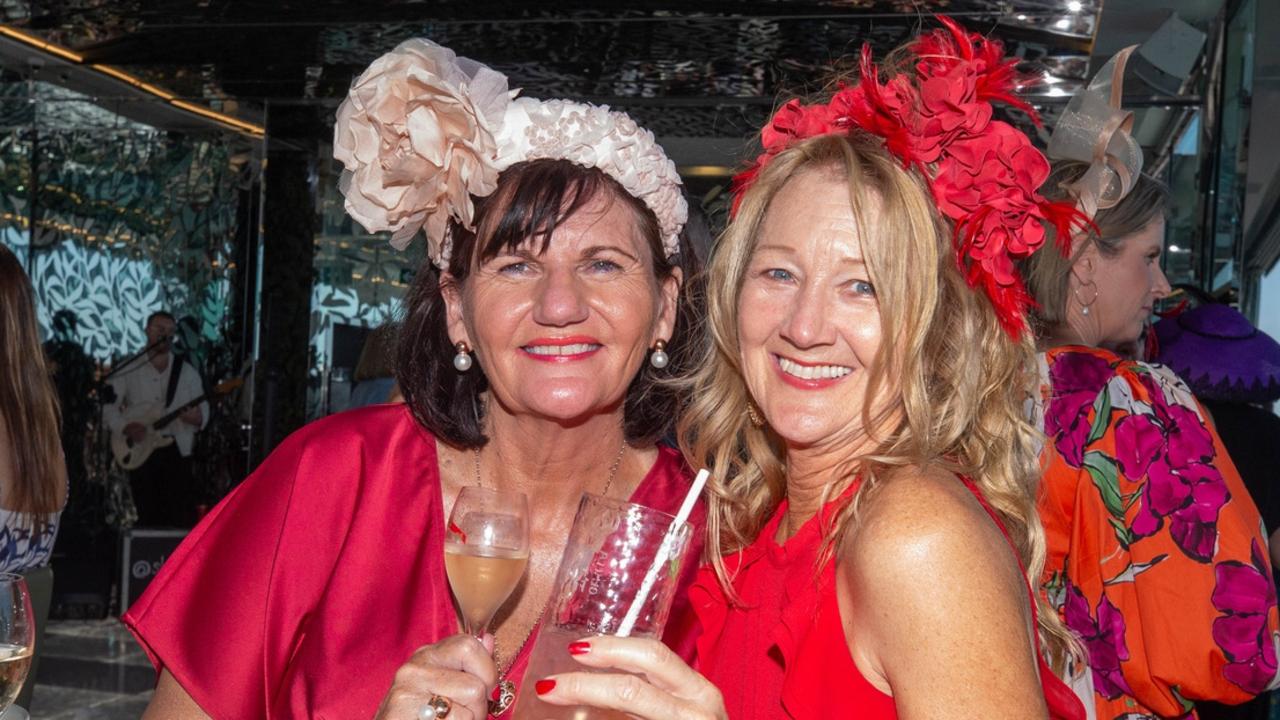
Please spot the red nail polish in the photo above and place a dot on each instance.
(581, 647)
(542, 687)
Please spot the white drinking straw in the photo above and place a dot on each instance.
(668, 542)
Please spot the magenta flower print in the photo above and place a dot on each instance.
(1076, 379)
(1245, 596)
(1103, 639)
(1174, 450)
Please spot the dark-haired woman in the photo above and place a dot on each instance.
(530, 359)
(33, 476)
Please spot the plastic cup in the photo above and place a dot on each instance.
(611, 548)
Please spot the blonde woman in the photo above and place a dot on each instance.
(861, 405)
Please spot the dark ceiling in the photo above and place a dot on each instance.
(683, 68)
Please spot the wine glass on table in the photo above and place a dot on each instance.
(17, 637)
(486, 550)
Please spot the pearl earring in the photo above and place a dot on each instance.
(1084, 306)
(462, 361)
(658, 358)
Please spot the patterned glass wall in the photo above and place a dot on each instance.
(114, 219)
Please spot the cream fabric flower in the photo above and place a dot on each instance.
(415, 137)
(422, 131)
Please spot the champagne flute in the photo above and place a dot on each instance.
(17, 636)
(486, 549)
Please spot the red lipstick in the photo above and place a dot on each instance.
(529, 348)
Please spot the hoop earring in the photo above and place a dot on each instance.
(462, 361)
(753, 414)
(1084, 306)
(658, 358)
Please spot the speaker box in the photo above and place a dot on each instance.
(143, 552)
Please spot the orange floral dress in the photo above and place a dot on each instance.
(1157, 556)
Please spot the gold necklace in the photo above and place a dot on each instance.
(613, 469)
(506, 690)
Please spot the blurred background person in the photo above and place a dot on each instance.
(33, 474)
(1153, 541)
(74, 380)
(147, 388)
(375, 370)
(1234, 370)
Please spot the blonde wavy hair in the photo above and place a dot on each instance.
(949, 383)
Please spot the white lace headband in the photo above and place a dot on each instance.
(423, 130)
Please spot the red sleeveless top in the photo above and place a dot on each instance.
(781, 652)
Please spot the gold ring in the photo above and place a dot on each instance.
(436, 708)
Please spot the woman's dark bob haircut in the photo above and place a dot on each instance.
(532, 198)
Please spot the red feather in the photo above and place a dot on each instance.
(895, 111)
(1067, 220)
(742, 181)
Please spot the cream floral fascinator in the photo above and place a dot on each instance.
(422, 131)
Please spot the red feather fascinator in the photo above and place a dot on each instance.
(984, 174)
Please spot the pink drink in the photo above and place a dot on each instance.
(550, 657)
(611, 547)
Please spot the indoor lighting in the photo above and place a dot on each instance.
(1062, 24)
(216, 116)
(36, 42)
(1075, 6)
(124, 77)
(705, 171)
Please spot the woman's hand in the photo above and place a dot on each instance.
(662, 685)
(458, 668)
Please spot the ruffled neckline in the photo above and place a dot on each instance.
(802, 581)
(803, 587)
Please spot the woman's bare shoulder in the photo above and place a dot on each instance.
(923, 527)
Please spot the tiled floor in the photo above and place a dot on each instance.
(91, 670)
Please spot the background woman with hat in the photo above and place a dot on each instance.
(1156, 557)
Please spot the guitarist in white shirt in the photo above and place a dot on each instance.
(143, 394)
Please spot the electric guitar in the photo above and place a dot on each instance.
(129, 454)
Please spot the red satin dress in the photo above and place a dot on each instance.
(300, 594)
(781, 652)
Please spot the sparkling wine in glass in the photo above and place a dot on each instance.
(486, 549)
(17, 636)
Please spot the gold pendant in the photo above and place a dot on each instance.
(506, 696)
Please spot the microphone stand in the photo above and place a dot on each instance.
(132, 358)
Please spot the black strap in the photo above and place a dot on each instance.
(174, 374)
